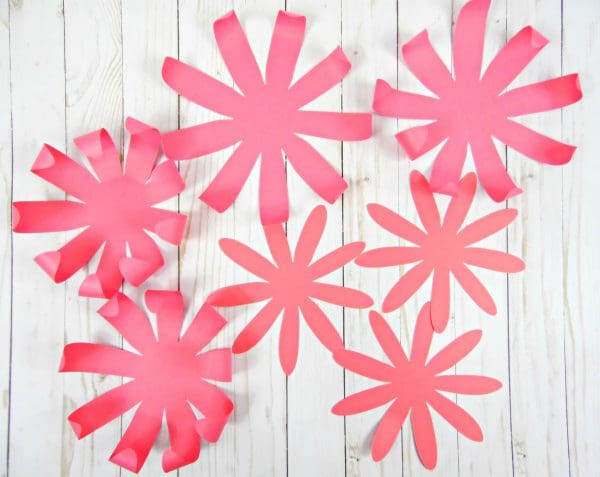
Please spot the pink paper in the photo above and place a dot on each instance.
(444, 248)
(114, 207)
(168, 373)
(264, 117)
(412, 385)
(470, 107)
(290, 285)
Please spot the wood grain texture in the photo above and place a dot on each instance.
(74, 66)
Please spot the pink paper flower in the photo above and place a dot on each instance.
(443, 249)
(168, 373)
(413, 384)
(115, 206)
(291, 286)
(264, 118)
(471, 109)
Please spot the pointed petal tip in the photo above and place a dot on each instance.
(111, 308)
(536, 39)
(134, 126)
(136, 271)
(128, 459)
(228, 16)
(44, 160)
(77, 428)
(171, 230)
(415, 41)
(296, 17)
(91, 287)
(49, 262)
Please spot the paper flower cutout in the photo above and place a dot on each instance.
(470, 108)
(413, 385)
(115, 207)
(443, 248)
(265, 118)
(291, 286)
(168, 375)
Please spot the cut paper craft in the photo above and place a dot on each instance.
(168, 374)
(412, 385)
(115, 207)
(264, 117)
(290, 285)
(471, 108)
(443, 249)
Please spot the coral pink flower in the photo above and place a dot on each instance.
(444, 248)
(264, 117)
(168, 373)
(413, 384)
(115, 208)
(471, 109)
(290, 286)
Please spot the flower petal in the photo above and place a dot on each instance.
(99, 359)
(56, 168)
(165, 182)
(237, 54)
(533, 144)
(454, 352)
(487, 225)
(201, 88)
(512, 59)
(491, 170)
(364, 365)
(426, 65)
(144, 145)
(215, 364)
(272, 188)
(364, 400)
(418, 140)
(48, 216)
(321, 78)
(387, 340)
(407, 286)
(464, 384)
(493, 260)
(286, 42)
(395, 224)
(227, 184)
(278, 244)
(204, 327)
(440, 299)
(474, 288)
(200, 140)
(389, 428)
(242, 294)
(543, 96)
(289, 339)
(333, 125)
(314, 169)
(209, 399)
(254, 331)
(144, 261)
(102, 153)
(320, 325)
(390, 256)
(424, 201)
(167, 224)
(311, 234)
(456, 416)
(131, 322)
(247, 258)
(135, 445)
(167, 305)
(448, 166)
(461, 203)
(185, 441)
(336, 259)
(104, 408)
(422, 336)
(424, 435)
(469, 36)
(390, 102)
(107, 280)
(340, 295)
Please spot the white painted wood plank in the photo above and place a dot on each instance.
(581, 229)
(5, 234)
(38, 103)
(317, 381)
(93, 90)
(537, 367)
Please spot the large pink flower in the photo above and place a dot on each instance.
(413, 384)
(444, 248)
(167, 373)
(265, 118)
(290, 286)
(115, 207)
(471, 108)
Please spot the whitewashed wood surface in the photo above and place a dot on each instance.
(71, 66)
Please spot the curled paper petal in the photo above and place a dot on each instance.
(444, 249)
(471, 108)
(298, 268)
(265, 118)
(168, 374)
(412, 385)
(115, 211)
